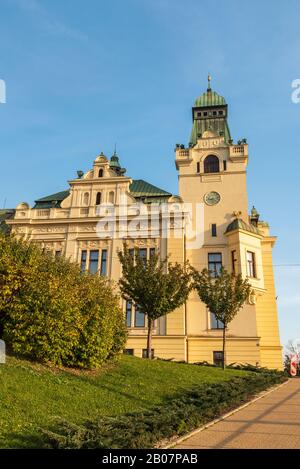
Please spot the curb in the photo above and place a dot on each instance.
(223, 417)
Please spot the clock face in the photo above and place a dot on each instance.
(212, 198)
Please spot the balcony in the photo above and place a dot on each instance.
(238, 153)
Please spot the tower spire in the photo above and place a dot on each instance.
(208, 83)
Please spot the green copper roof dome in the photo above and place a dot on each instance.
(239, 224)
(210, 98)
(114, 161)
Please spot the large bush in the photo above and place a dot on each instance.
(49, 311)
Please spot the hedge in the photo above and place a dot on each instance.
(175, 417)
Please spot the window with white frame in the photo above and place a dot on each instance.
(94, 261)
(214, 263)
(251, 267)
(215, 323)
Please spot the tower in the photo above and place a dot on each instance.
(212, 174)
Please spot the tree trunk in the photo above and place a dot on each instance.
(149, 338)
(224, 347)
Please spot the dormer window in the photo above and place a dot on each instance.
(100, 174)
(211, 164)
(98, 197)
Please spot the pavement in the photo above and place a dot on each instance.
(272, 422)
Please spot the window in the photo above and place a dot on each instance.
(57, 253)
(143, 254)
(225, 165)
(152, 252)
(83, 261)
(214, 113)
(214, 263)
(93, 264)
(111, 197)
(100, 174)
(145, 353)
(128, 313)
(198, 167)
(251, 268)
(139, 318)
(220, 113)
(205, 113)
(199, 114)
(211, 164)
(218, 358)
(215, 323)
(98, 198)
(233, 261)
(214, 230)
(103, 269)
(128, 351)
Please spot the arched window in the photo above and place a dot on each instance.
(211, 164)
(85, 198)
(100, 174)
(111, 197)
(98, 198)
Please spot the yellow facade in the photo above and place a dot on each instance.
(215, 191)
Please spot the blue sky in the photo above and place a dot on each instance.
(84, 75)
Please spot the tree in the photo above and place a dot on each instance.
(223, 294)
(154, 285)
(50, 311)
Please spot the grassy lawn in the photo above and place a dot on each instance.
(32, 395)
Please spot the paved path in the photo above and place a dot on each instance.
(270, 422)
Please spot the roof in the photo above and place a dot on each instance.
(53, 200)
(210, 98)
(141, 188)
(200, 126)
(239, 224)
(217, 124)
(138, 188)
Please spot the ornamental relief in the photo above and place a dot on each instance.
(150, 243)
(252, 299)
(88, 228)
(49, 229)
(93, 244)
(211, 143)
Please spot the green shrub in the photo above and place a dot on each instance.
(176, 416)
(49, 311)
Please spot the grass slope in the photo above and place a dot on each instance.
(32, 395)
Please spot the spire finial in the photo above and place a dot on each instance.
(209, 80)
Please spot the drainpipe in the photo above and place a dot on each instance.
(185, 307)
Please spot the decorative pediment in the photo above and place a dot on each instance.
(209, 134)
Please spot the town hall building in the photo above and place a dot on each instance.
(212, 177)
